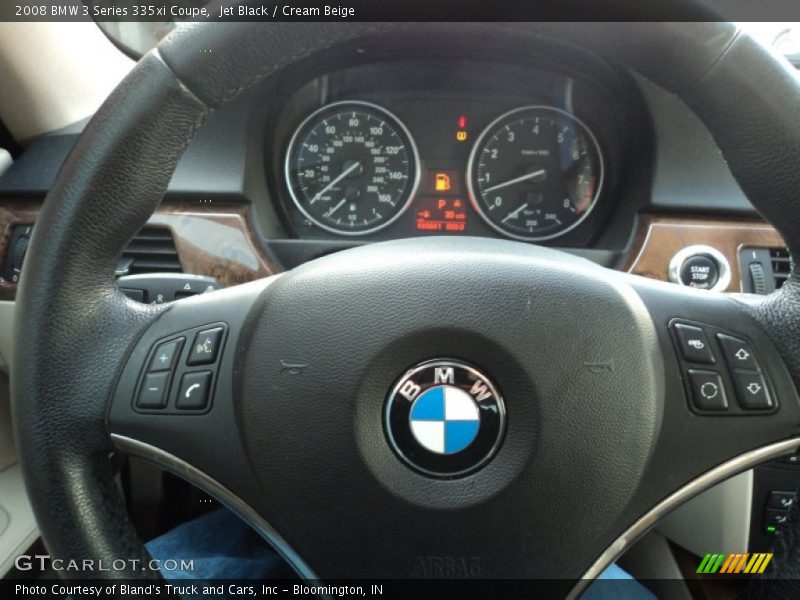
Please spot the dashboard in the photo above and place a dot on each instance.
(542, 144)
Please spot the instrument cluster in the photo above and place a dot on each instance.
(382, 151)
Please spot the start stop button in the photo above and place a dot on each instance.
(701, 267)
(700, 271)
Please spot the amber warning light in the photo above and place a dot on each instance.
(461, 132)
(441, 215)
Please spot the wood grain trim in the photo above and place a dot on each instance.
(221, 242)
(659, 238)
(218, 242)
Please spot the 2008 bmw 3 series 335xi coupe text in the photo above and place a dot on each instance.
(399, 300)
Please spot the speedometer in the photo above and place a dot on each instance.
(352, 168)
(535, 173)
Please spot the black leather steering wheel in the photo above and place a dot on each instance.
(590, 458)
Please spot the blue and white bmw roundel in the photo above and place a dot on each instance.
(445, 419)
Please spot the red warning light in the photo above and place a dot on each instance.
(462, 122)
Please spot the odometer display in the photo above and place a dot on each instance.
(352, 168)
(535, 173)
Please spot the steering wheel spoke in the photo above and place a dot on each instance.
(174, 401)
(727, 385)
(729, 402)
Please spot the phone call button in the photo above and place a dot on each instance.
(194, 391)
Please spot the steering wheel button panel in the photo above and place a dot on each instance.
(171, 359)
(205, 347)
(193, 393)
(738, 353)
(153, 393)
(698, 345)
(694, 344)
(708, 391)
(751, 390)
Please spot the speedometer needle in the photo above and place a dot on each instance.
(515, 213)
(515, 180)
(341, 176)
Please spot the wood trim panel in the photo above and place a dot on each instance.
(221, 242)
(659, 238)
(218, 242)
(13, 214)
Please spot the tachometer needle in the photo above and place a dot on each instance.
(335, 208)
(525, 177)
(515, 213)
(341, 176)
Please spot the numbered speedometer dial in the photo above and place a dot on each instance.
(352, 168)
(535, 173)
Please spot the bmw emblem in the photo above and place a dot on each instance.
(445, 418)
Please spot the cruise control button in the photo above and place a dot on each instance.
(708, 392)
(751, 390)
(165, 355)
(694, 344)
(738, 353)
(193, 393)
(205, 347)
(154, 391)
(780, 500)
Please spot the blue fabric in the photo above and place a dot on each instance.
(221, 545)
(616, 584)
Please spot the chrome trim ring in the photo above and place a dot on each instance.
(212, 487)
(718, 474)
(473, 198)
(415, 155)
(724, 277)
(486, 443)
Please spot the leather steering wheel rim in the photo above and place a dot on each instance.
(73, 327)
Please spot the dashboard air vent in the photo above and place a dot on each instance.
(781, 265)
(764, 270)
(152, 250)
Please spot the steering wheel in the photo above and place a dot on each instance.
(592, 427)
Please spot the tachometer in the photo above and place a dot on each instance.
(535, 173)
(352, 168)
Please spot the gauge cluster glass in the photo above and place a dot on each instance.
(535, 173)
(352, 168)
